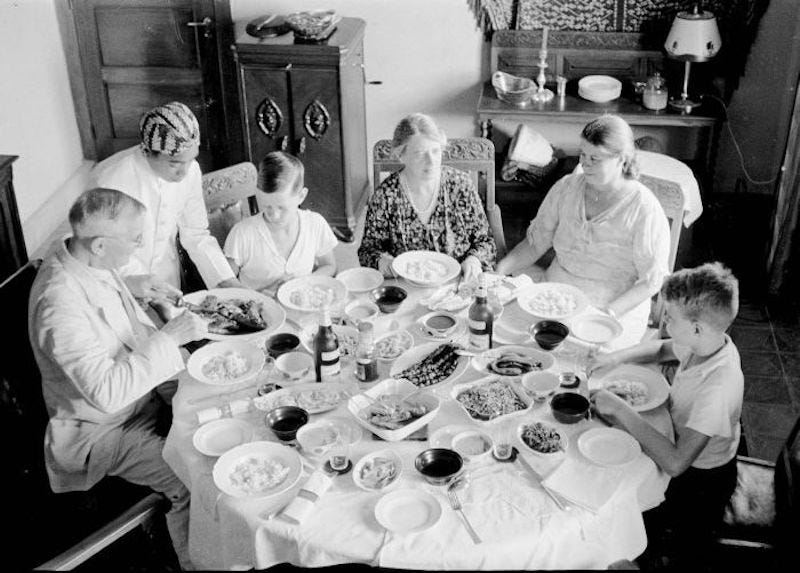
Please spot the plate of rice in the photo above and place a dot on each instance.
(257, 470)
(225, 363)
(642, 388)
(553, 301)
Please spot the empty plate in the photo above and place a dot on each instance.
(608, 446)
(408, 511)
(217, 437)
(596, 328)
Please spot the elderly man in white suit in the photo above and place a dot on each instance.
(101, 358)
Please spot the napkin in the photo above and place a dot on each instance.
(299, 508)
(585, 485)
(233, 408)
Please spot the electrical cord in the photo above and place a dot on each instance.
(736, 145)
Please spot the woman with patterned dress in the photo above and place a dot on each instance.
(426, 206)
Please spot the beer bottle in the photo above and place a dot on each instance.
(481, 319)
(366, 363)
(326, 350)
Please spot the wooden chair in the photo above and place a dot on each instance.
(475, 155)
(54, 521)
(229, 194)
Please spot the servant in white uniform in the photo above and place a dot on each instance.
(101, 359)
(282, 241)
(162, 173)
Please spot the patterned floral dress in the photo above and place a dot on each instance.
(457, 226)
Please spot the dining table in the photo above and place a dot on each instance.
(518, 523)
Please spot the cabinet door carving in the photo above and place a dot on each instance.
(269, 117)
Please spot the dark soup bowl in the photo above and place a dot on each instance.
(389, 298)
(285, 421)
(548, 334)
(569, 407)
(439, 465)
(281, 343)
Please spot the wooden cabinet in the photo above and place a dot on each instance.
(308, 100)
(14, 254)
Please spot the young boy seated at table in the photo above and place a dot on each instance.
(282, 241)
(705, 404)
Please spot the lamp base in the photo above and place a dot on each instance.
(684, 105)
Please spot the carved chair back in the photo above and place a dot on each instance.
(474, 155)
(229, 194)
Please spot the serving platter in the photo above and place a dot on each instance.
(271, 312)
(209, 364)
(541, 360)
(416, 354)
(652, 382)
(553, 301)
(488, 411)
(312, 397)
(312, 293)
(426, 268)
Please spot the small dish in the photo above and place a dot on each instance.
(422, 327)
(408, 511)
(284, 421)
(439, 466)
(378, 471)
(393, 344)
(443, 437)
(439, 323)
(294, 365)
(473, 445)
(569, 407)
(360, 279)
(361, 310)
(540, 385)
(218, 436)
(548, 334)
(542, 439)
(281, 343)
(389, 297)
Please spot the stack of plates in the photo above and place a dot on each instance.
(599, 89)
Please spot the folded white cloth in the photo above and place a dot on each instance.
(299, 508)
(586, 485)
(233, 408)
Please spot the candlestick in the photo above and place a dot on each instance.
(542, 95)
(544, 38)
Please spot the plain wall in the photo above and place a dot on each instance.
(37, 117)
(428, 54)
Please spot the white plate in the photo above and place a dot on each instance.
(596, 328)
(272, 313)
(458, 331)
(218, 436)
(302, 285)
(312, 397)
(529, 300)
(347, 335)
(417, 353)
(359, 402)
(443, 437)
(657, 386)
(549, 455)
(518, 391)
(512, 327)
(316, 437)
(250, 352)
(408, 511)
(442, 268)
(259, 451)
(360, 279)
(608, 446)
(482, 360)
(385, 454)
(404, 341)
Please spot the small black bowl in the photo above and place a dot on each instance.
(569, 407)
(439, 466)
(548, 334)
(285, 421)
(281, 343)
(389, 298)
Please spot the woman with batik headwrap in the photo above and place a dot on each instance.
(162, 172)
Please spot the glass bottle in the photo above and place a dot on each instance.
(366, 363)
(654, 95)
(326, 350)
(481, 319)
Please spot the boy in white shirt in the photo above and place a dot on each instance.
(705, 405)
(282, 241)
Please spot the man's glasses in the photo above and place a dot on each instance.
(137, 241)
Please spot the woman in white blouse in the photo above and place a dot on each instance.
(609, 233)
(162, 172)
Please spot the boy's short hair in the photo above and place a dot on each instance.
(279, 170)
(708, 293)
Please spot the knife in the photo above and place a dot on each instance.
(540, 481)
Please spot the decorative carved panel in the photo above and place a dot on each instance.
(316, 119)
(269, 117)
(456, 150)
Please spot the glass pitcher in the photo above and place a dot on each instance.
(654, 95)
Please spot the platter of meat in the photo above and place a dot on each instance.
(429, 364)
(236, 312)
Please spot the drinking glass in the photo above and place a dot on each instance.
(339, 453)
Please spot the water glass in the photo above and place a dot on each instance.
(339, 453)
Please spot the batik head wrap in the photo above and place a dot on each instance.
(171, 129)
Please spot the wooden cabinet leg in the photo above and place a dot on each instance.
(486, 128)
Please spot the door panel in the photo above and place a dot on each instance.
(267, 112)
(317, 139)
(137, 54)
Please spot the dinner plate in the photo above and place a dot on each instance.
(316, 437)
(305, 293)
(481, 361)
(347, 335)
(201, 360)
(419, 328)
(312, 397)
(386, 483)
(388, 351)
(408, 511)
(426, 268)
(655, 383)
(360, 279)
(272, 313)
(218, 436)
(608, 446)
(595, 328)
(260, 453)
(417, 353)
(553, 301)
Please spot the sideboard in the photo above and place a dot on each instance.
(12, 241)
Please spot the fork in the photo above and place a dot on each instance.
(455, 503)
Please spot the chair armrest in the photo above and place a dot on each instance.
(755, 462)
(142, 513)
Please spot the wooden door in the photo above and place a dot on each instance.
(137, 54)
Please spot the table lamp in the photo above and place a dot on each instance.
(694, 37)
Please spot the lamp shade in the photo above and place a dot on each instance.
(694, 36)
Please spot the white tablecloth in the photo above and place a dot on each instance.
(520, 526)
